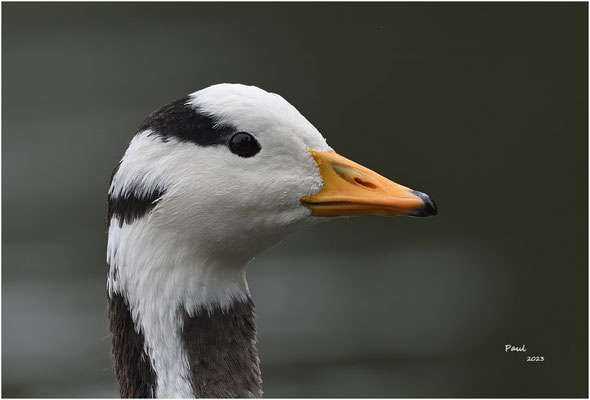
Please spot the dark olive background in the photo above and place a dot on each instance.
(483, 106)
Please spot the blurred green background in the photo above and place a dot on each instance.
(482, 106)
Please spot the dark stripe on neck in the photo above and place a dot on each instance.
(133, 368)
(221, 348)
(129, 207)
(186, 124)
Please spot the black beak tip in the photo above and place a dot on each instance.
(429, 209)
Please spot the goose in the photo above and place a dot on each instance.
(208, 182)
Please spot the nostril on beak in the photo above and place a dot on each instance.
(366, 184)
(429, 209)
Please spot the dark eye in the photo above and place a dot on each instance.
(244, 144)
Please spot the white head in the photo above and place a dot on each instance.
(222, 205)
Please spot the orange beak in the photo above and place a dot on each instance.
(351, 189)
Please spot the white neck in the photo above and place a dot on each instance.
(161, 277)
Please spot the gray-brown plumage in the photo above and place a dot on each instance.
(221, 348)
(134, 372)
(220, 345)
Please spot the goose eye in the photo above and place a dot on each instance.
(243, 144)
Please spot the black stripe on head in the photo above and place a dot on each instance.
(175, 120)
(180, 121)
(129, 207)
(135, 375)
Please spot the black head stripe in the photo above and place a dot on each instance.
(129, 207)
(185, 123)
(175, 120)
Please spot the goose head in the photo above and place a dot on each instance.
(207, 183)
(233, 169)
